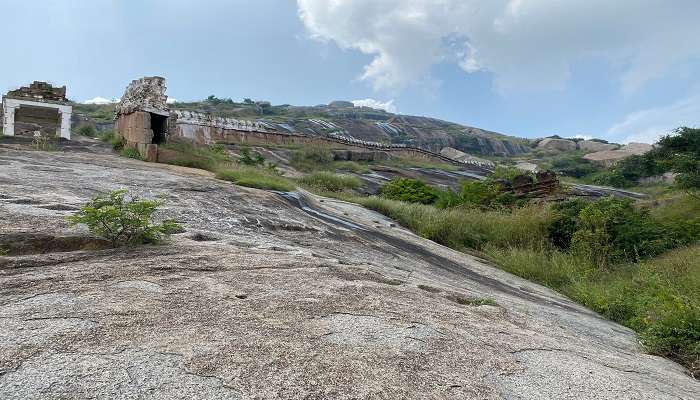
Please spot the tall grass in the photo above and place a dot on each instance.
(255, 177)
(659, 298)
(196, 156)
(463, 228)
(329, 182)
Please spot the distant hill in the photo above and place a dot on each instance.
(341, 118)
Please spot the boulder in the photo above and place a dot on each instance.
(608, 158)
(557, 144)
(592, 146)
(637, 148)
(451, 152)
(526, 166)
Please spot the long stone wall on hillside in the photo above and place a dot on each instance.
(204, 129)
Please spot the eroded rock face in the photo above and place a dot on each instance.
(281, 303)
(611, 157)
(460, 156)
(591, 145)
(557, 144)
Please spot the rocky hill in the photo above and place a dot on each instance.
(277, 295)
(340, 117)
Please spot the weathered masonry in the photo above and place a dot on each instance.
(142, 116)
(39, 109)
(144, 121)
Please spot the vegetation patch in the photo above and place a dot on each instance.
(123, 220)
(468, 301)
(130, 152)
(329, 182)
(256, 177)
(186, 154)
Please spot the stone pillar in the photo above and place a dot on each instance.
(65, 122)
(8, 125)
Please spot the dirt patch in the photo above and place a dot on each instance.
(18, 244)
(203, 237)
(470, 301)
(429, 289)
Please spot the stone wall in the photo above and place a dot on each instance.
(222, 133)
(40, 91)
(134, 128)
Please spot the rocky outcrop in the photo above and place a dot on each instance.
(611, 157)
(592, 146)
(271, 297)
(557, 144)
(465, 158)
(527, 166)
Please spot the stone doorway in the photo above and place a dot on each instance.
(30, 120)
(159, 126)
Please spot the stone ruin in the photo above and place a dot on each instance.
(545, 183)
(141, 117)
(39, 109)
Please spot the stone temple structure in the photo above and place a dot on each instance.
(39, 109)
(142, 116)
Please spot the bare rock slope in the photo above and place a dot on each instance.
(267, 296)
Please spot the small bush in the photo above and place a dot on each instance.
(131, 152)
(329, 182)
(409, 190)
(565, 222)
(255, 177)
(87, 130)
(123, 221)
(246, 158)
(612, 230)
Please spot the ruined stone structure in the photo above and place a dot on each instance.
(545, 183)
(144, 121)
(142, 116)
(39, 109)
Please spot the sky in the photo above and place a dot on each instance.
(623, 70)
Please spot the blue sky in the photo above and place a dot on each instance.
(627, 70)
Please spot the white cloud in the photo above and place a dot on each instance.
(171, 100)
(648, 125)
(100, 100)
(584, 137)
(526, 44)
(376, 104)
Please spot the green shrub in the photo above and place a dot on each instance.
(329, 182)
(246, 159)
(612, 178)
(612, 230)
(409, 190)
(565, 222)
(255, 177)
(87, 130)
(131, 152)
(123, 221)
(573, 165)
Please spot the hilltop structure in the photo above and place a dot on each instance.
(144, 121)
(37, 109)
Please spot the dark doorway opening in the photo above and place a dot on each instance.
(159, 126)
